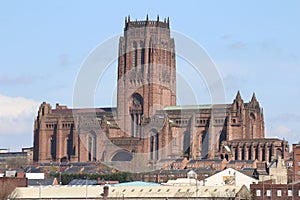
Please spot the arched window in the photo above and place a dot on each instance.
(53, 146)
(70, 149)
(186, 143)
(142, 46)
(151, 147)
(134, 55)
(154, 145)
(204, 145)
(252, 125)
(91, 146)
(222, 137)
(136, 112)
(122, 155)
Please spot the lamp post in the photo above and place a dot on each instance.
(60, 178)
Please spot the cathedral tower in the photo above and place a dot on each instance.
(146, 73)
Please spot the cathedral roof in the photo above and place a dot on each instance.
(83, 110)
(196, 107)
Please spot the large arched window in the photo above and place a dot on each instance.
(136, 112)
(122, 155)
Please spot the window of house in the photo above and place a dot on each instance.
(279, 193)
(268, 193)
(258, 193)
(298, 172)
(290, 193)
(299, 163)
(299, 193)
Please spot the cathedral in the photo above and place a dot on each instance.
(147, 122)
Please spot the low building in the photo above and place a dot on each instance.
(180, 163)
(165, 163)
(252, 172)
(8, 184)
(132, 192)
(13, 160)
(217, 164)
(228, 177)
(277, 172)
(269, 190)
(241, 164)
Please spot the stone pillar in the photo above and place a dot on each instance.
(239, 152)
(253, 148)
(233, 152)
(260, 151)
(136, 125)
(273, 155)
(246, 152)
(59, 140)
(199, 140)
(267, 152)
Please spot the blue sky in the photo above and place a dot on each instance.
(254, 44)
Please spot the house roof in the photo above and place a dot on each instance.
(83, 182)
(146, 192)
(241, 161)
(38, 182)
(206, 160)
(197, 107)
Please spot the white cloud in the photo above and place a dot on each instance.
(283, 132)
(17, 115)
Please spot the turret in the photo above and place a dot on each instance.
(44, 109)
(238, 102)
(254, 103)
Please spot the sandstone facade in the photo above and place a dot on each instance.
(147, 120)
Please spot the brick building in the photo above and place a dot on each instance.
(296, 161)
(217, 164)
(8, 184)
(269, 190)
(147, 119)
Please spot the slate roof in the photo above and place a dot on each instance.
(38, 182)
(83, 182)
